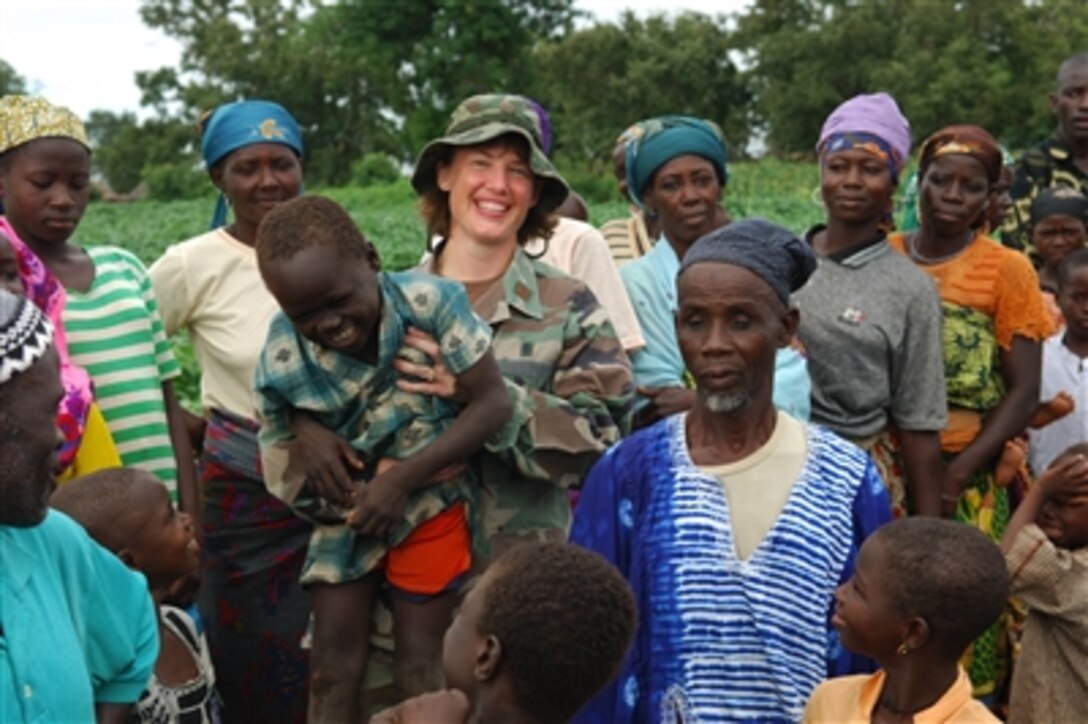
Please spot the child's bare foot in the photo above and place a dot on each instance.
(1051, 410)
(1011, 462)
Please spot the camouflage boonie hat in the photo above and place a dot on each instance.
(483, 118)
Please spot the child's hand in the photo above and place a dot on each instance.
(433, 379)
(438, 707)
(1064, 475)
(379, 505)
(323, 457)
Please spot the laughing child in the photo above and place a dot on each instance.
(128, 511)
(333, 412)
(922, 591)
(1046, 549)
(110, 315)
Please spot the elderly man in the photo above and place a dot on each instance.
(1062, 159)
(733, 522)
(78, 632)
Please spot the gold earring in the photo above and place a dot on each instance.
(902, 650)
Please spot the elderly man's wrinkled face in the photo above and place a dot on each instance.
(730, 325)
(29, 439)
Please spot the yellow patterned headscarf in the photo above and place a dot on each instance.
(27, 118)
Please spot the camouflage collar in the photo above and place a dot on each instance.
(520, 291)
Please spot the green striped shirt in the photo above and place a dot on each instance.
(114, 331)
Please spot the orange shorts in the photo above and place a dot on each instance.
(432, 556)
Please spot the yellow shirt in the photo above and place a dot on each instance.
(850, 699)
(210, 286)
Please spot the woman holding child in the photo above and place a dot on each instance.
(486, 189)
(251, 601)
(994, 323)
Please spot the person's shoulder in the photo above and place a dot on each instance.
(419, 293)
(836, 699)
(833, 452)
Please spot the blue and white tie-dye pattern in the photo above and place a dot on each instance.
(724, 639)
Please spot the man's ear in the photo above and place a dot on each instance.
(127, 558)
(488, 660)
(790, 319)
(918, 633)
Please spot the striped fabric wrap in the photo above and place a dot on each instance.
(114, 332)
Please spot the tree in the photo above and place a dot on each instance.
(10, 81)
(989, 62)
(596, 82)
(287, 51)
(426, 56)
(125, 149)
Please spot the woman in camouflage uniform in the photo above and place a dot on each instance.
(486, 189)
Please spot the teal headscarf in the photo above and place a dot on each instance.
(236, 125)
(655, 142)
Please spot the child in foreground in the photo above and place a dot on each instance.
(1046, 549)
(333, 411)
(128, 511)
(536, 637)
(922, 591)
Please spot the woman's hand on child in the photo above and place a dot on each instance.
(379, 505)
(438, 707)
(432, 379)
(324, 458)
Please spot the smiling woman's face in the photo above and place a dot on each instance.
(685, 193)
(491, 189)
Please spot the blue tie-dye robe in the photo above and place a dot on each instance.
(723, 639)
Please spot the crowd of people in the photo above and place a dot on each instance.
(684, 468)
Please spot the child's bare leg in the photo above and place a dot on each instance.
(340, 647)
(1011, 461)
(1051, 410)
(418, 632)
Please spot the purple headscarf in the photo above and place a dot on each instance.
(874, 118)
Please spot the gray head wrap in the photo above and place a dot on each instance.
(25, 335)
(767, 250)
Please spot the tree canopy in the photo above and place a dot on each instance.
(368, 76)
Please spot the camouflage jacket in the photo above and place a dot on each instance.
(572, 389)
(1047, 165)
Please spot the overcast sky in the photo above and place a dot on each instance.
(85, 53)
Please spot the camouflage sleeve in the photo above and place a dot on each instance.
(558, 434)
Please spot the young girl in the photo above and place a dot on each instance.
(110, 317)
(1058, 228)
(87, 445)
(128, 511)
(922, 591)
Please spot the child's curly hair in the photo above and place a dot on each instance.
(308, 221)
(565, 618)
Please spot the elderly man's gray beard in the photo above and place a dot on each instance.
(725, 403)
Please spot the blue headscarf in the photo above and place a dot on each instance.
(655, 142)
(236, 125)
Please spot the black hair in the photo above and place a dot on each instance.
(1073, 62)
(101, 502)
(1075, 260)
(565, 618)
(1081, 448)
(948, 573)
(307, 221)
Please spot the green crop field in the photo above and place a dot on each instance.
(781, 191)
